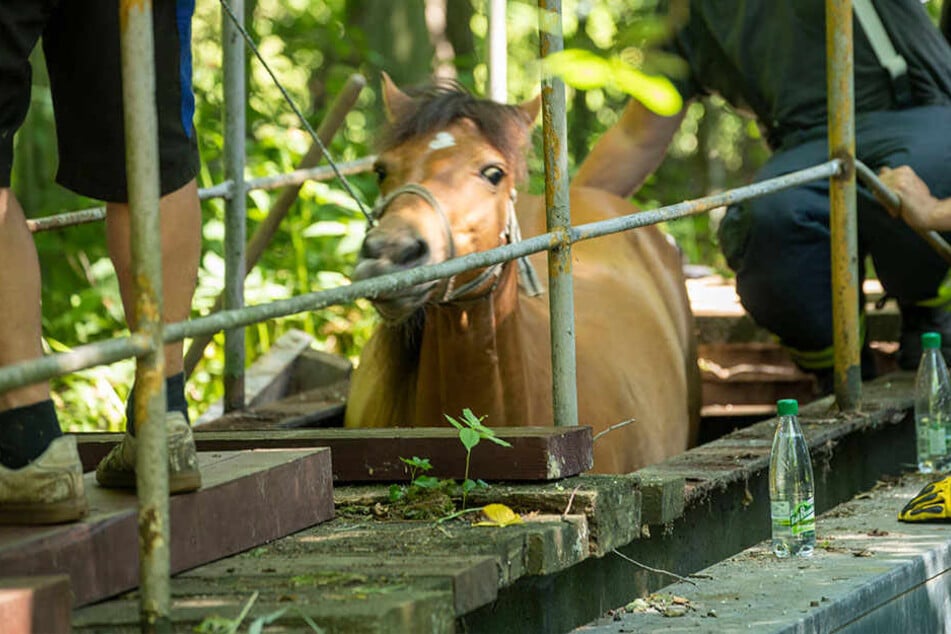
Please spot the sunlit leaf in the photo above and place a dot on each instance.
(469, 438)
(579, 68)
(655, 92)
(499, 515)
(585, 70)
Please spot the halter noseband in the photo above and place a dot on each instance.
(528, 279)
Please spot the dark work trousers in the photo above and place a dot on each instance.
(779, 247)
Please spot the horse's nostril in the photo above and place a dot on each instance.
(372, 248)
(401, 250)
(411, 251)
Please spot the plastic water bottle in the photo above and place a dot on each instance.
(932, 405)
(792, 492)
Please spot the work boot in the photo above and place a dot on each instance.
(916, 320)
(117, 469)
(48, 490)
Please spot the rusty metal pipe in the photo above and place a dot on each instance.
(842, 217)
(560, 283)
(141, 145)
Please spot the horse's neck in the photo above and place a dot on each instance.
(469, 351)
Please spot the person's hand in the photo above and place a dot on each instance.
(918, 207)
(931, 503)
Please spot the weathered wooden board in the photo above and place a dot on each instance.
(472, 579)
(247, 499)
(316, 407)
(35, 605)
(368, 455)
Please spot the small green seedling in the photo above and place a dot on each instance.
(471, 431)
(417, 467)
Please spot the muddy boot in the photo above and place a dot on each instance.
(117, 469)
(48, 490)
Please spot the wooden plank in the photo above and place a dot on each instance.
(317, 407)
(473, 579)
(248, 498)
(268, 377)
(289, 367)
(364, 608)
(40, 605)
(373, 455)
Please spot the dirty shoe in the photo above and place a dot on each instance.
(48, 490)
(117, 469)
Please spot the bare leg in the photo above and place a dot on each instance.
(20, 325)
(181, 249)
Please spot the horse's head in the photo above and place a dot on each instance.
(447, 170)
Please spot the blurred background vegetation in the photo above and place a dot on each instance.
(314, 46)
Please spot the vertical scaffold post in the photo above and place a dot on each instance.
(842, 217)
(141, 133)
(560, 287)
(498, 52)
(233, 63)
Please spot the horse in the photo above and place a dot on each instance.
(447, 170)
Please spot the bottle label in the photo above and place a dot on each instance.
(803, 519)
(800, 520)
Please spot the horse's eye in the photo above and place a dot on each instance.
(493, 174)
(380, 173)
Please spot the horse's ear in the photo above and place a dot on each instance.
(530, 109)
(396, 103)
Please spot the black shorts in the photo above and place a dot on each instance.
(81, 43)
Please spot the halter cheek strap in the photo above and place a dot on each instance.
(528, 278)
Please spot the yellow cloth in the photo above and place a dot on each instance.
(933, 502)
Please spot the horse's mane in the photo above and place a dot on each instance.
(438, 104)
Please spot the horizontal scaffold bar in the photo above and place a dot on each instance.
(221, 190)
(89, 355)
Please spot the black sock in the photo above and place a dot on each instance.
(174, 400)
(26, 432)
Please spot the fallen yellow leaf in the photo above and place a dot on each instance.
(499, 515)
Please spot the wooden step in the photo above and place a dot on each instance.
(373, 455)
(248, 498)
(41, 604)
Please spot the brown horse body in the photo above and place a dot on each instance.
(488, 349)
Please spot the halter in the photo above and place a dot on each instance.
(512, 233)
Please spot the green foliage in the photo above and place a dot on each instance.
(417, 481)
(313, 48)
(471, 431)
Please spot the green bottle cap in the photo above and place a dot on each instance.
(787, 407)
(931, 340)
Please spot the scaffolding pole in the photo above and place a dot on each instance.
(141, 134)
(236, 210)
(842, 215)
(560, 283)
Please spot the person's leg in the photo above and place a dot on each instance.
(779, 247)
(180, 218)
(40, 471)
(28, 422)
(910, 270)
(91, 136)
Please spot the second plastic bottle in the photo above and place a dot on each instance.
(792, 492)
(932, 406)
